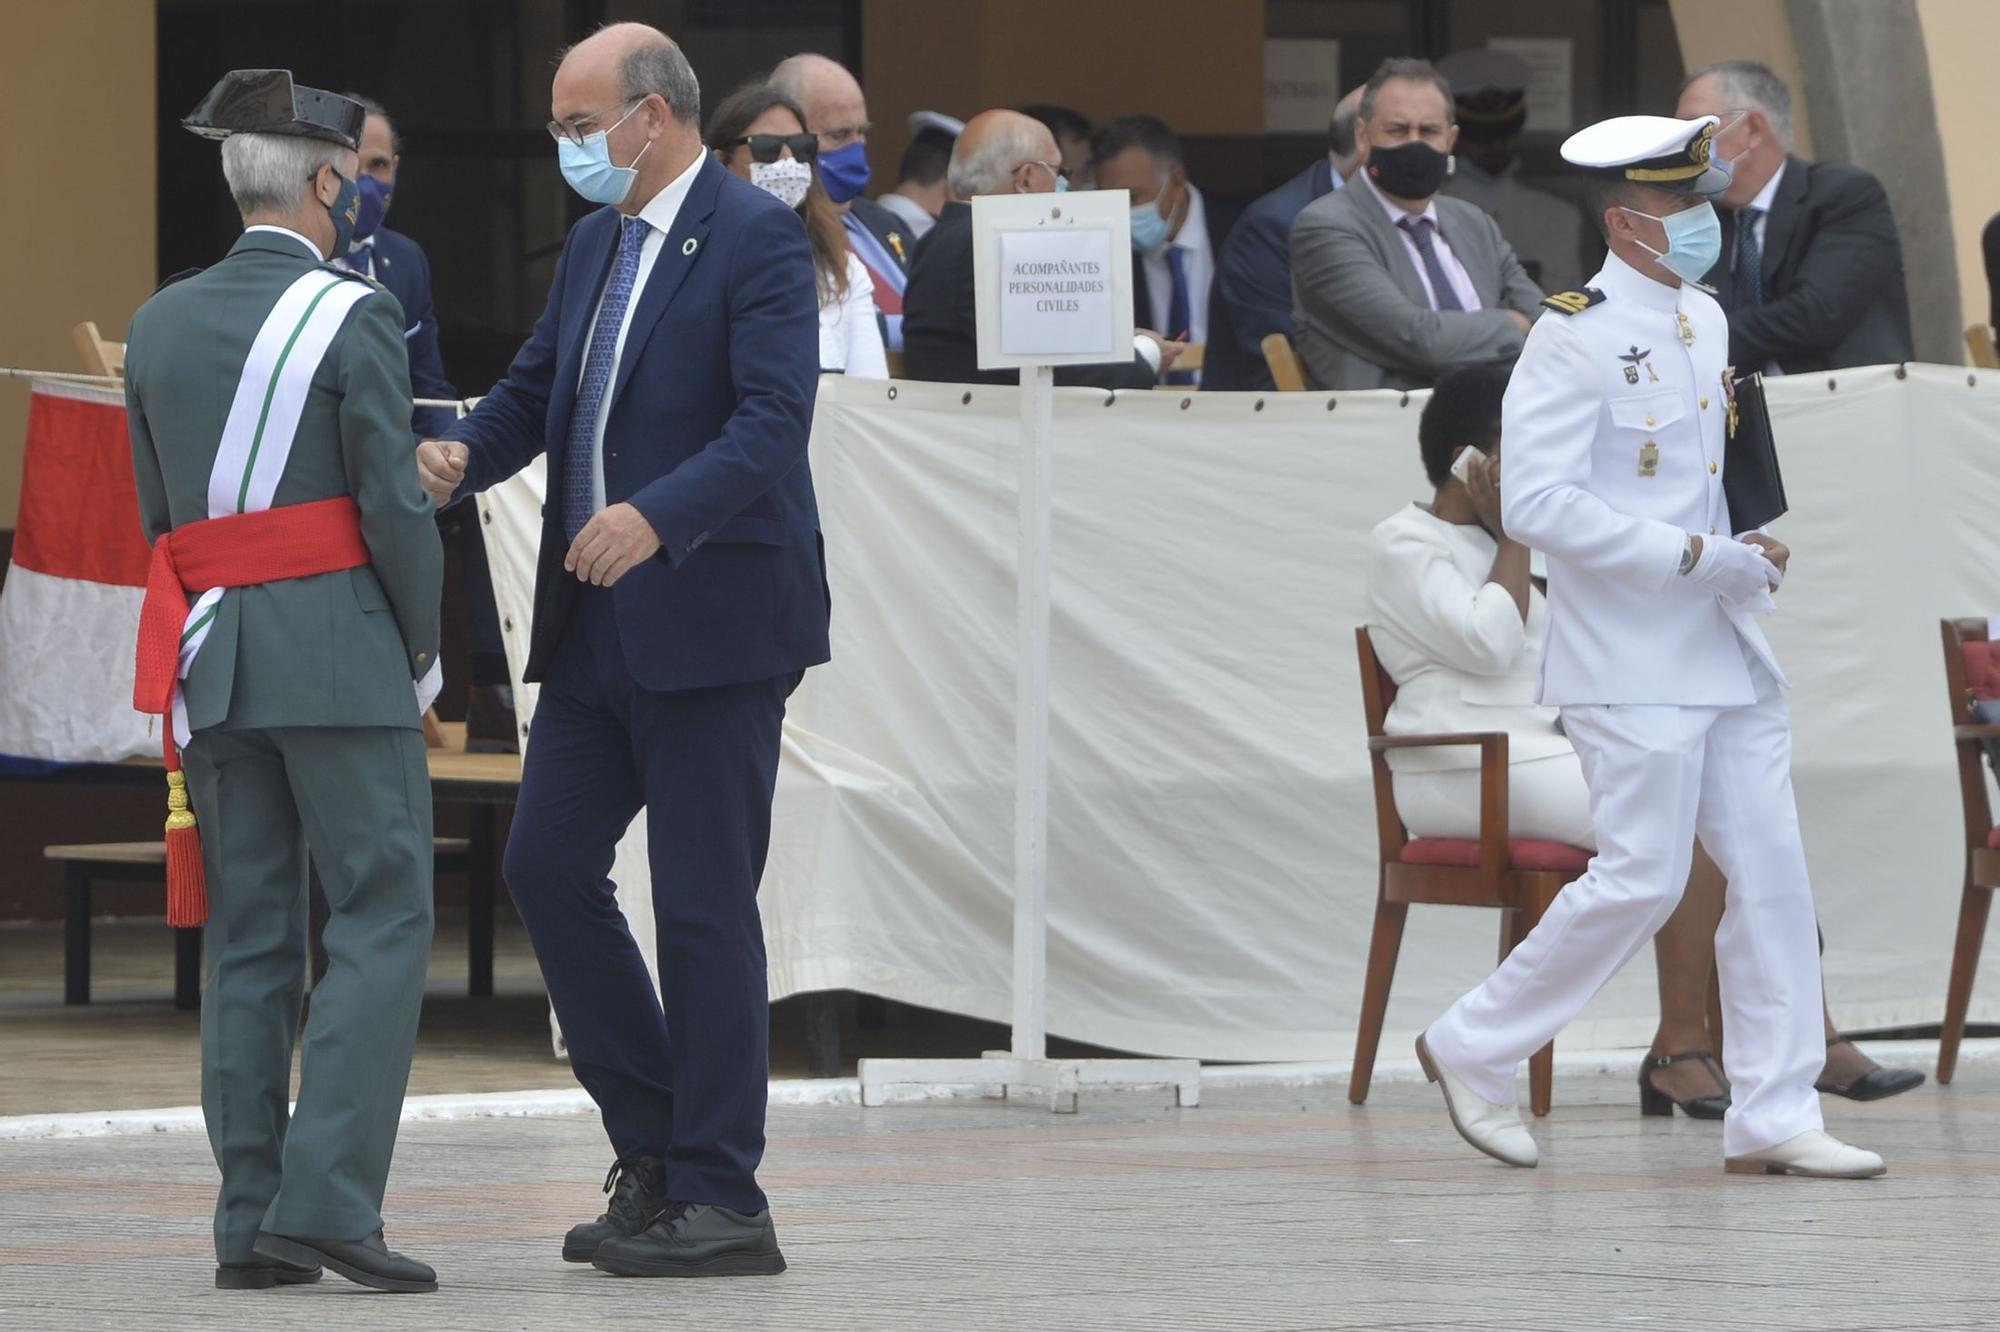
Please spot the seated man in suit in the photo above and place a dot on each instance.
(920, 189)
(1811, 273)
(1001, 152)
(1392, 284)
(837, 112)
(1252, 296)
(1173, 263)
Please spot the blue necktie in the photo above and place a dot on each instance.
(1443, 295)
(1748, 278)
(580, 451)
(1178, 319)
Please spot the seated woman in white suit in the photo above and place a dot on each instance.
(1456, 618)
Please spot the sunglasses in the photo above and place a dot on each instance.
(766, 147)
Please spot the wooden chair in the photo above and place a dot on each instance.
(1192, 356)
(100, 357)
(1979, 342)
(1520, 877)
(895, 362)
(1286, 372)
(1968, 656)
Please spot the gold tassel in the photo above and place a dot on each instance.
(187, 879)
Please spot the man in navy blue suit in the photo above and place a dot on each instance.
(1252, 296)
(680, 596)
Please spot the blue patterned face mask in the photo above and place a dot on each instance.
(1694, 241)
(374, 205)
(588, 168)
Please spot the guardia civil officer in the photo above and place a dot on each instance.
(284, 507)
(1615, 425)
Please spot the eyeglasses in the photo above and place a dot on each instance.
(767, 147)
(834, 139)
(579, 129)
(1059, 172)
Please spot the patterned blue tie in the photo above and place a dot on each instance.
(1748, 279)
(1443, 295)
(1178, 318)
(580, 452)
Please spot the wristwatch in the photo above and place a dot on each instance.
(1687, 555)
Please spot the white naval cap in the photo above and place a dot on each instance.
(1660, 151)
(935, 120)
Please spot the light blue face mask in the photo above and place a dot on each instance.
(1694, 241)
(588, 168)
(1149, 227)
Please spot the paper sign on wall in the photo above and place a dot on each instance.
(1301, 84)
(1549, 79)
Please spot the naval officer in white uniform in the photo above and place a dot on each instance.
(1614, 421)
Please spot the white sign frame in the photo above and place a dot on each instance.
(995, 214)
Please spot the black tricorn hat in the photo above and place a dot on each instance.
(266, 101)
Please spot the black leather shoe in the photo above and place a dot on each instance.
(366, 1262)
(1653, 1101)
(696, 1240)
(638, 1189)
(1873, 1085)
(263, 1276)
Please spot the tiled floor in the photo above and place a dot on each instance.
(1264, 1209)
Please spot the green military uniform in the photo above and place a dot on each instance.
(306, 739)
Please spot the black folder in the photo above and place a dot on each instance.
(1751, 482)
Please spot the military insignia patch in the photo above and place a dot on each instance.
(1633, 359)
(1574, 302)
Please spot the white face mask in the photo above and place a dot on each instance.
(787, 178)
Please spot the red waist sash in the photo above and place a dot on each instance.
(270, 546)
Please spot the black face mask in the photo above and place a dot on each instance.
(1412, 170)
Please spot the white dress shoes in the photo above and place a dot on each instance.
(1815, 1152)
(1494, 1129)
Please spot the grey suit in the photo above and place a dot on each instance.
(1362, 317)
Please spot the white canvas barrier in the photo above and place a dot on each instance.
(1212, 871)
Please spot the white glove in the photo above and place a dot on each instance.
(1734, 570)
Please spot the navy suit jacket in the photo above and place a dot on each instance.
(710, 410)
(1252, 295)
(400, 265)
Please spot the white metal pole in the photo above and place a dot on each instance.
(1031, 721)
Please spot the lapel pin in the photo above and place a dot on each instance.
(687, 246)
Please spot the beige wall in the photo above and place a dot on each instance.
(1197, 64)
(77, 236)
(1960, 37)
(1715, 30)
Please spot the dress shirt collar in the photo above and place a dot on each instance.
(1396, 212)
(1620, 281)
(317, 257)
(661, 210)
(1194, 227)
(1762, 203)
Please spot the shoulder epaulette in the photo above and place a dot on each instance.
(1574, 302)
(350, 273)
(184, 274)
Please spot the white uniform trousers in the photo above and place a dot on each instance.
(1658, 777)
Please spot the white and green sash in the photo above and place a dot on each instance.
(263, 421)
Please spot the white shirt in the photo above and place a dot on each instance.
(658, 214)
(1199, 263)
(318, 258)
(910, 211)
(850, 338)
(1454, 271)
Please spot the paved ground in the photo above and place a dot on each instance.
(1273, 1210)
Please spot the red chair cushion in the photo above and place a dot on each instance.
(1982, 669)
(1523, 853)
(1993, 840)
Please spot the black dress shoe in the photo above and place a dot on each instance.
(638, 1189)
(696, 1240)
(1873, 1085)
(1653, 1101)
(366, 1262)
(263, 1276)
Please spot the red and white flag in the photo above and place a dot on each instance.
(69, 609)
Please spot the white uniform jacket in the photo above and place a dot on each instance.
(1613, 437)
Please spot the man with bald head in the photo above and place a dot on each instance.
(1000, 152)
(679, 599)
(837, 112)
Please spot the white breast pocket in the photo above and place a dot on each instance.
(1649, 411)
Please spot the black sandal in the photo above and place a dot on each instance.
(1653, 1101)
(1875, 1084)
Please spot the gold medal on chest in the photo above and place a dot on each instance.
(1686, 329)
(1649, 459)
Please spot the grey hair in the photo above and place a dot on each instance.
(270, 173)
(1340, 129)
(985, 170)
(660, 67)
(1748, 83)
(1404, 67)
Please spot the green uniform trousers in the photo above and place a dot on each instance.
(359, 798)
